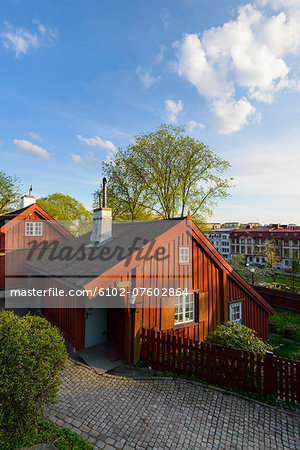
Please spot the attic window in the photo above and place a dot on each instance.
(184, 255)
(33, 228)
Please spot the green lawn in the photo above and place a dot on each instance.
(290, 345)
(47, 433)
(285, 279)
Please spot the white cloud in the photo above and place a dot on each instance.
(146, 77)
(165, 18)
(230, 116)
(21, 40)
(172, 108)
(195, 67)
(28, 148)
(97, 142)
(87, 161)
(254, 54)
(160, 55)
(277, 4)
(192, 125)
(35, 136)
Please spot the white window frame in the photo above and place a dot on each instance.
(33, 228)
(184, 255)
(236, 313)
(188, 315)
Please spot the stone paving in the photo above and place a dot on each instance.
(125, 413)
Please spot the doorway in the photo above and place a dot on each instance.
(95, 326)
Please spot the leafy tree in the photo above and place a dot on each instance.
(32, 356)
(232, 335)
(10, 193)
(270, 253)
(166, 173)
(124, 195)
(68, 211)
(238, 262)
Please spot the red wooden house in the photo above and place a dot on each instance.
(196, 288)
(17, 230)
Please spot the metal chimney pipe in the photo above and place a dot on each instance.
(104, 193)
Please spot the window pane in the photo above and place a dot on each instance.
(184, 308)
(184, 254)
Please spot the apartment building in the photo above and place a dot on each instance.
(249, 241)
(220, 238)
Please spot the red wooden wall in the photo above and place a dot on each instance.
(208, 275)
(15, 245)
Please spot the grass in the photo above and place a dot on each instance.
(287, 349)
(284, 280)
(46, 433)
(289, 344)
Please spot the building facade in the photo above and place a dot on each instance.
(250, 241)
(220, 239)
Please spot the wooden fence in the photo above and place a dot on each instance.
(221, 365)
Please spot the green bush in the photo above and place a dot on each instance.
(32, 356)
(46, 433)
(232, 335)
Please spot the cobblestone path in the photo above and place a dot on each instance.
(125, 413)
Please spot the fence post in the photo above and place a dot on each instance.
(298, 382)
(268, 374)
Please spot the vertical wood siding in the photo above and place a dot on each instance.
(209, 279)
(17, 247)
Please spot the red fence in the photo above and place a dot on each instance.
(280, 299)
(220, 365)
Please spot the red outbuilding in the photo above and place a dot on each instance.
(161, 274)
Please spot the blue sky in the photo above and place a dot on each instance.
(81, 78)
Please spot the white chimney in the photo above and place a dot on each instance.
(102, 221)
(28, 200)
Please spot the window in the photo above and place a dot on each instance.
(236, 313)
(184, 254)
(33, 228)
(184, 308)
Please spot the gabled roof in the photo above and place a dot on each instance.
(9, 216)
(23, 213)
(80, 272)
